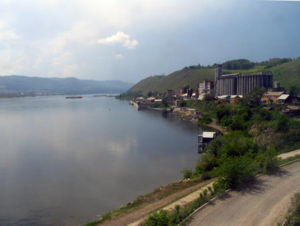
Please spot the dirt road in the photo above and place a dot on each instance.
(264, 203)
(289, 154)
(141, 213)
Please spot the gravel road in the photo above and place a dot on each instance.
(264, 203)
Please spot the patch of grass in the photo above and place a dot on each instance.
(255, 69)
(290, 159)
(293, 219)
(142, 200)
(180, 213)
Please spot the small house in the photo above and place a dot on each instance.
(204, 138)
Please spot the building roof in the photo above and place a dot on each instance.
(236, 96)
(247, 74)
(209, 134)
(224, 97)
(271, 93)
(227, 75)
(283, 97)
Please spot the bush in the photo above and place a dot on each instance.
(182, 104)
(283, 123)
(205, 119)
(158, 219)
(187, 173)
(222, 112)
(235, 172)
(238, 124)
(264, 114)
(268, 161)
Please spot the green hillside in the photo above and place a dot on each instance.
(288, 74)
(285, 70)
(175, 80)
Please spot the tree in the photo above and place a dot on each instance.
(237, 171)
(222, 112)
(253, 99)
(283, 123)
(182, 104)
(149, 94)
(294, 91)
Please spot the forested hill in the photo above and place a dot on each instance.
(22, 85)
(175, 80)
(285, 70)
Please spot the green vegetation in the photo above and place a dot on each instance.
(274, 62)
(287, 73)
(290, 159)
(240, 64)
(163, 218)
(174, 81)
(293, 219)
(235, 159)
(253, 139)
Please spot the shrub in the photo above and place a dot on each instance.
(283, 123)
(206, 119)
(268, 161)
(182, 104)
(222, 112)
(238, 124)
(187, 173)
(158, 219)
(235, 172)
(264, 114)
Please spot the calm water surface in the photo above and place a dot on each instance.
(64, 161)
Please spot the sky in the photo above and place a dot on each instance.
(133, 39)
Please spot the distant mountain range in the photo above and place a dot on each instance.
(15, 85)
(285, 70)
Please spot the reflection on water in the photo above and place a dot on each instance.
(63, 162)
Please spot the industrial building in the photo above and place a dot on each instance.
(240, 84)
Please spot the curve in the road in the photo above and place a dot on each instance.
(264, 203)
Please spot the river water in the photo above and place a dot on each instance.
(67, 161)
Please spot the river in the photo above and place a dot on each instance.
(67, 161)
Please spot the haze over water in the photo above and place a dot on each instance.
(63, 161)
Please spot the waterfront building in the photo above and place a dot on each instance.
(204, 138)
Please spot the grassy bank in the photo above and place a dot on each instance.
(143, 200)
(180, 213)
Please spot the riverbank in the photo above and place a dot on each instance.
(147, 203)
(183, 113)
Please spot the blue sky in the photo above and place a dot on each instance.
(130, 40)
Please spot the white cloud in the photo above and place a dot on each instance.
(1, 24)
(8, 36)
(121, 38)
